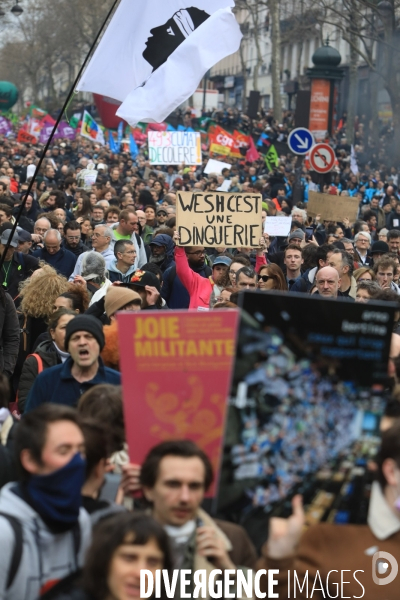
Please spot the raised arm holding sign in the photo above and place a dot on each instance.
(219, 219)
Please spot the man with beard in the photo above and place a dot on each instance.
(72, 239)
(162, 251)
(199, 288)
(173, 291)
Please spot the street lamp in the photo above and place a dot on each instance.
(17, 10)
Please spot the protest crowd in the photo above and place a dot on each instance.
(78, 521)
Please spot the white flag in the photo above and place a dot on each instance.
(353, 162)
(154, 54)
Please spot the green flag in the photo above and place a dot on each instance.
(271, 158)
(74, 120)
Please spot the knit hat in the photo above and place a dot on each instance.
(297, 233)
(85, 323)
(117, 297)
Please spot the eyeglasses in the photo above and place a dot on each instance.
(198, 253)
(97, 235)
(264, 278)
(73, 238)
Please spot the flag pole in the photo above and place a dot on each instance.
(47, 145)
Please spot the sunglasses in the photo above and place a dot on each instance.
(264, 278)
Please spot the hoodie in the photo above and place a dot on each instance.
(168, 243)
(115, 275)
(46, 556)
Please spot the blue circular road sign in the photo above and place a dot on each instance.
(300, 140)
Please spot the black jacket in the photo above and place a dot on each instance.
(9, 334)
(22, 267)
(47, 352)
(80, 248)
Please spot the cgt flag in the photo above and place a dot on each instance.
(271, 158)
(153, 55)
(91, 130)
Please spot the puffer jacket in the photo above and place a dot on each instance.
(47, 352)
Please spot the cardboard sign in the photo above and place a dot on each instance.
(176, 371)
(219, 219)
(216, 166)
(24, 137)
(306, 400)
(332, 208)
(277, 226)
(174, 147)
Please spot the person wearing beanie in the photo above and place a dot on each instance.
(65, 383)
(121, 298)
(117, 298)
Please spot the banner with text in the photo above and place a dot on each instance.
(174, 147)
(219, 219)
(176, 372)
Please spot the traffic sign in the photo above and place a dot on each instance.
(322, 158)
(300, 140)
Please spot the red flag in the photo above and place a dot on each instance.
(252, 153)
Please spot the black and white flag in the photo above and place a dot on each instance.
(154, 54)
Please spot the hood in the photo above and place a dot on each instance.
(14, 505)
(167, 241)
(46, 350)
(113, 267)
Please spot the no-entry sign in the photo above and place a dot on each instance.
(322, 158)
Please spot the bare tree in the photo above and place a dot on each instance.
(372, 31)
(276, 58)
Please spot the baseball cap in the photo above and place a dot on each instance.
(23, 236)
(222, 260)
(143, 278)
(161, 210)
(5, 237)
(297, 233)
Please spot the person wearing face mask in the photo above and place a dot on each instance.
(47, 354)
(328, 547)
(44, 530)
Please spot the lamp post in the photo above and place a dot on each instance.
(16, 10)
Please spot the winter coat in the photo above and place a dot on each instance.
(63, 260)
(22, 267)
(58, 385)
(80, 248)
(47, 352)
(9, 335)
(45, 557)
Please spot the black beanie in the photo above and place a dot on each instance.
(85, 323)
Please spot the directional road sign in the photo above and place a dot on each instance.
(300, 140)
(322, 158)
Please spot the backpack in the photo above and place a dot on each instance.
(17, 555)
(13, 406)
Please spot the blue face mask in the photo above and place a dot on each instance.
(57, 496)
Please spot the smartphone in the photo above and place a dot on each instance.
(309, 233)
(110, 487)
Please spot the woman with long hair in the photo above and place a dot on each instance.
(38, 294)
(271, 277)
(83, 208)
(49, 353)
